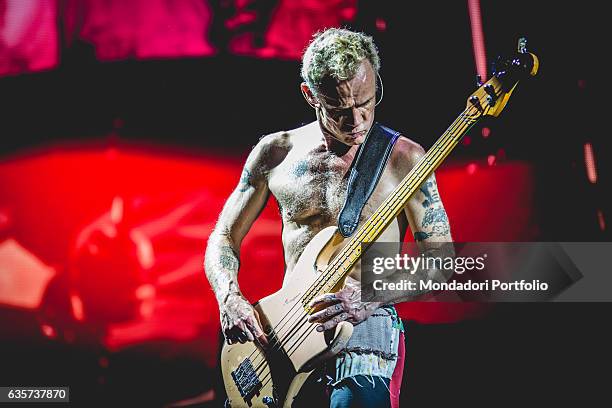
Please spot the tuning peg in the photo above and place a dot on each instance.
(492, 96)
(478, 81)
(494, 64)
(476, 102)
(522, 45)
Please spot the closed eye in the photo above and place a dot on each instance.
(361, 105)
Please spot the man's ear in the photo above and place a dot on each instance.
(308, 95)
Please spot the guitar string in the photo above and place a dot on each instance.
(342, 258)
(445, 150)
(349, 249)
(392, 203)
(439, 150)
(464, 114)
(298, 343)
(283, 322)
(449, 136)
(375, 224)
(418, 168)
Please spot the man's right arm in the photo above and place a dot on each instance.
(239, 320)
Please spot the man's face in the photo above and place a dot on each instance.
(347, 107)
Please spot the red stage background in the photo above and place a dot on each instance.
(140, 29)
(127, 227)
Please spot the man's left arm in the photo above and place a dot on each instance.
(429, 226)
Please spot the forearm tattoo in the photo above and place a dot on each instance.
(435, 222)
(421, 236)
(222, 270)
(435, 217)
(245, 181)
(228, 259)
(430, 193)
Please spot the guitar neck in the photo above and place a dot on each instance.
(340, 266)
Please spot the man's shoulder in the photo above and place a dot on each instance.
(273, 148)
(284, 139)
(274, 141)
(406, 153)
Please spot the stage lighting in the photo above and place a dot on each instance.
(589, 163)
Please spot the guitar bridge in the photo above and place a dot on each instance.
(247, 380)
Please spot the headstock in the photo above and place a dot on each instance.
(491, 97)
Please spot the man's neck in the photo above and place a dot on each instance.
(335, 146)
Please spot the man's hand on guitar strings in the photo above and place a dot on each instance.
(240, 321)
(343, 305)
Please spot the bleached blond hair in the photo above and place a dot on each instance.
(337, 53)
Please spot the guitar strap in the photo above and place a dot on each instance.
(365, 172)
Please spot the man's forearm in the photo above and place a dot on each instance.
(221, 266)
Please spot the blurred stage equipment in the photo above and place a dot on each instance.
(23, 277)
(109, 269)
(478, 40)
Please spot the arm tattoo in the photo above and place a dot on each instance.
(421, 236)
(245, 180)
(300, 168)
(430, 197)
(437, 219)
(434, 216)
(228, 259)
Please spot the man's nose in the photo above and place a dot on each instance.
(354, 117)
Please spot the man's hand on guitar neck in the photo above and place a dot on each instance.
(240, 321)
(343, 305)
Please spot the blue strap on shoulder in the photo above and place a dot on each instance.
(365, 173)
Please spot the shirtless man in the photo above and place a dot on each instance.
(306, 170)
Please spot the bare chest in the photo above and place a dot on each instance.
(310, 189)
